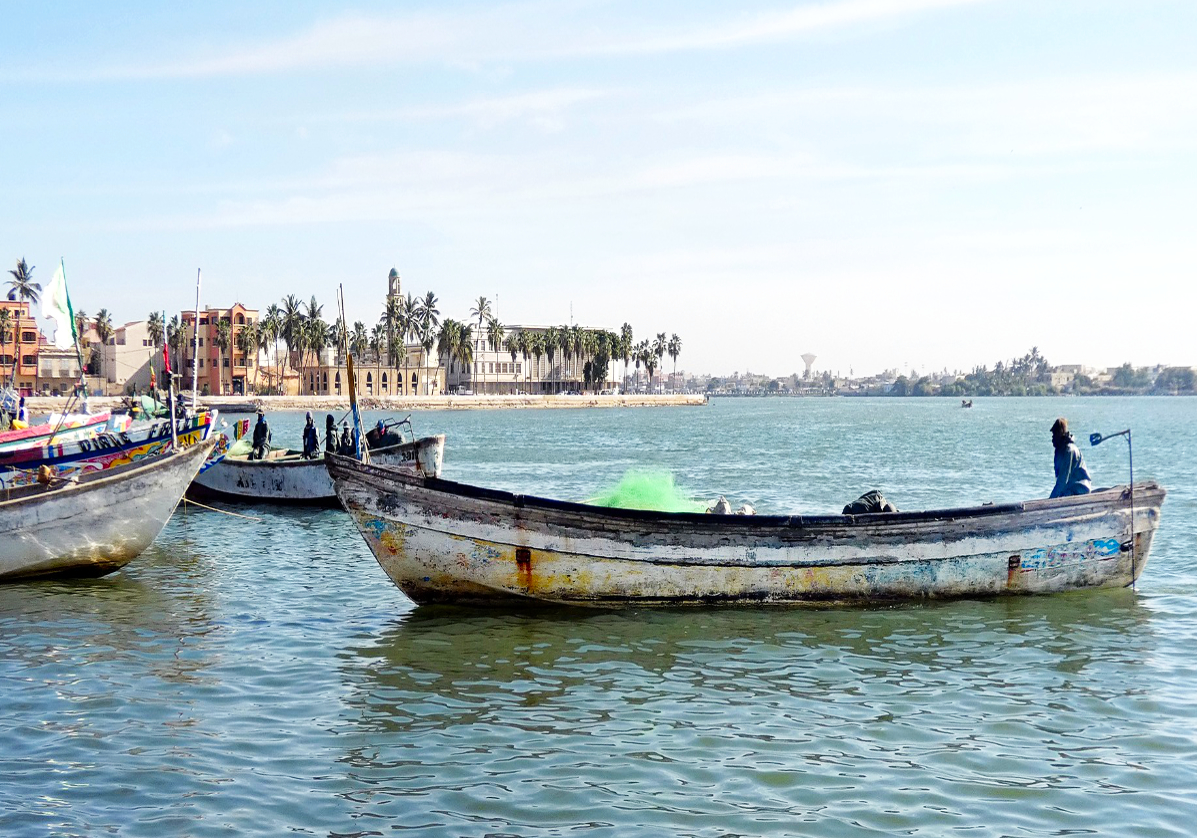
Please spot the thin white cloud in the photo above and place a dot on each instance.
(513, 32)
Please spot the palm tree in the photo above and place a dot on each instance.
(22, 285)
(291, 326)
(247, 341)
(378, 339)
(625, 347)
(224, 330)
(550, 347)
(154, 329)
(272, 328)
(494, 334)
(658, 349)
(427, 337)
(674, 349)
(81, 320)
(514, 341)
(104, 332)
(446, 343)
(465, 346)
(5, 328)
(410, 322)
(359, 340)
(391, 319)
(482, 311)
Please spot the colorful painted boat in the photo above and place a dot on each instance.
(286, 477)
(95, 522)
(448, 542)
(63, 429)
(111, 448)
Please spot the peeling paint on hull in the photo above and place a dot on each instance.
(446, 542)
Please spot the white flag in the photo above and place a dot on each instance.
(56, 304)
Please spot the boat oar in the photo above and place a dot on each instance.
(1098, 439)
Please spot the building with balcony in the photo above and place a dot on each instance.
(219, 372)
(21, 344)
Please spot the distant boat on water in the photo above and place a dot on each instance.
(95, 522)
(447, 542)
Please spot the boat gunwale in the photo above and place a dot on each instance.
(294, 457)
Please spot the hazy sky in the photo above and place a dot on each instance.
(932, 183)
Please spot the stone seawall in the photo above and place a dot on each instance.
(247, 404)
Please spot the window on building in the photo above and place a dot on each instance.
(28, 360)
(201, 363)
(203, 321)
(226, 363)
(29, 337)
(201, 341)
(249, 363)
(518, 368)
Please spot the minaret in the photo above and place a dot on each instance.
(393, 290)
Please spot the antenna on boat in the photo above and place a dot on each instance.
(351, 381)
(1098, 439)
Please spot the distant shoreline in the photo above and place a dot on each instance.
(39, 405)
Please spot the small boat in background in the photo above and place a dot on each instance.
(966, 402)
(286, 476)
(94, 522)
(448, 542)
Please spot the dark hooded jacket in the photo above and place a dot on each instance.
(1072, 478)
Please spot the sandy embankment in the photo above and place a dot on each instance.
(246, 404)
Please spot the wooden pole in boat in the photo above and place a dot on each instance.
(195, 345)
(170, 391)
(1097, 439)
(360, 452)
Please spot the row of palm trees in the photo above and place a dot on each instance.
(586, 354)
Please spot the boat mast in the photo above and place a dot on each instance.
(170, 388)
(195, 345)
(351, 381)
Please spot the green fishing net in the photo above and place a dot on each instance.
(652, 490)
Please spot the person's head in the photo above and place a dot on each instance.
(380, 426)
(329, 421)
(309, 418)
(22, 401)
(261, 416)
(1060, 430)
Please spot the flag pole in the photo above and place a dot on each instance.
(361, 453)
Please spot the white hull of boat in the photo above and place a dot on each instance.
(446, 542)
(292, 479)
(95, 525)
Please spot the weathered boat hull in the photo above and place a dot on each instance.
(97, 523)
(446, 542)
(297, 481)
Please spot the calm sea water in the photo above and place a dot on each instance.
(265, 678)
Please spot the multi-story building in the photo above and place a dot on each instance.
(20, 346)
(57, 371)
(498, 370)
(220, 372)
(127, 357)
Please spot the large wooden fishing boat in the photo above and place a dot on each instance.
(104, 450)
(285, 476)
(442, 541)
(61, 428)
(95, 522)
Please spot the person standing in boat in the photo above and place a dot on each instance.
(1072, 478)
(330, 434)
(261, 438)
(311, 440)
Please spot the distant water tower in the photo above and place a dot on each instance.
(809, 360)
